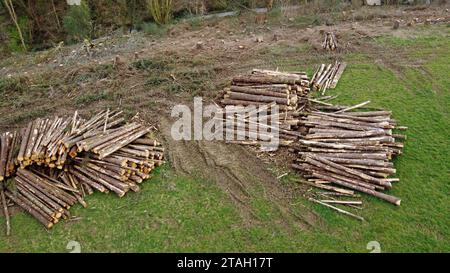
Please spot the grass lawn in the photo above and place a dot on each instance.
(174, 213)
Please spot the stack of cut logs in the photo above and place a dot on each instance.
(64, 159)
(327, 76)
(267, 88)
(247, 128)
(351, 150)
(42, 142)
(330, 41)
(9, 147)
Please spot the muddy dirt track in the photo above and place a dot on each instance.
(237, 171)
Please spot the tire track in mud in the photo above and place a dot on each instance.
(236, 171)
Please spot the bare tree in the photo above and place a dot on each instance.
(13, 15)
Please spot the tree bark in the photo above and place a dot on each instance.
(6, 213)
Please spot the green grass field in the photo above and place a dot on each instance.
(174, 213)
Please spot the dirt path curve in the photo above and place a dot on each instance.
(238, 172)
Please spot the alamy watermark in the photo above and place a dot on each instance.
(374, 247)
(231, 123)
(74, 247)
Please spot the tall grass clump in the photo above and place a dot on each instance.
(161, 10)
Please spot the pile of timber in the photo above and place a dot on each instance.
(247, 129)
(347, 151)
(43, 197)
(57, 162)
(9, 148)
(330, 41)
(41, 142)
(265, 86)
(287, 90)
(327, 76)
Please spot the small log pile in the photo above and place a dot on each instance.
(248, 130)
(61, 160)
(9, 148)
(347, 151)
(330, 41)
(327, 76)
(41, 143)
(267, 88)
(45, 198)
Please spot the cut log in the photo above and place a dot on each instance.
(107, 151)
(5, 212)
(353, 107)
(259, 91)
(391, 199)
(4, 145)
(340, 169)
(336, 209)
(338, 74)
(256, 98)
(38, 216)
